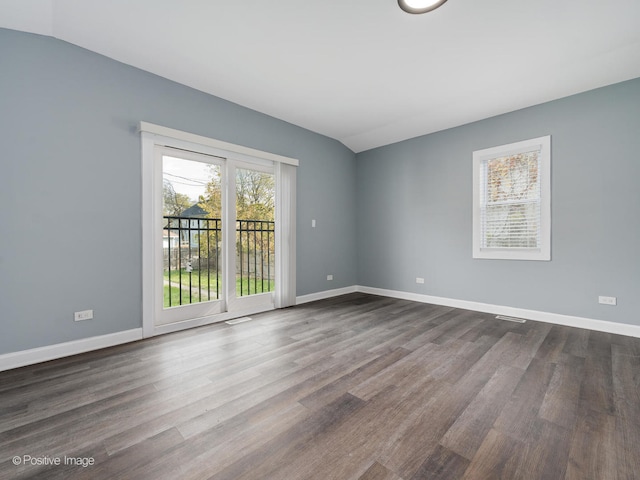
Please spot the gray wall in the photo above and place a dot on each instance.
(415, 210)
(70, 195)
(71, 203)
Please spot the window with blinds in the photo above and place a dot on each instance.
(511, 201)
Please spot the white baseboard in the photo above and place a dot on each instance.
(9, 361)
(556, 318)
(59, 350)
(312, 297)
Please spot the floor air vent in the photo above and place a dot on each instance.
(238, 320)
(510, 319)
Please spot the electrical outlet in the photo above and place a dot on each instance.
(83, 315)
(313, 223)
(329, 277)
(419, 280)
(608, 300)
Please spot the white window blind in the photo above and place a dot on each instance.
(510, 201)
(511, 197)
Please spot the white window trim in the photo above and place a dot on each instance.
(542, 253)
(285, 172)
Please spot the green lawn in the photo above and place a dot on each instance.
(200, 282)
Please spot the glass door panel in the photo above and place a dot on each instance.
(254, 240)
(191, 229)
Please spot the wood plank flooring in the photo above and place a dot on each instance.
(356, 387)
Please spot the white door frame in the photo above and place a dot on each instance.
(154, 135)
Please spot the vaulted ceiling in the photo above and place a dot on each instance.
(361, 71)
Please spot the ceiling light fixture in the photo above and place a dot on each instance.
(419, 6)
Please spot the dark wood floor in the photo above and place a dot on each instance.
(357, 387)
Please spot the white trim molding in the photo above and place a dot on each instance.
(556, 318)
(12, 360)
(213, 143)
(154, 140)
(51, 352)
(481, 203)
(312, 297)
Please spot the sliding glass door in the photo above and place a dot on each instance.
(217, 231)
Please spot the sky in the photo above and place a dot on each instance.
(187, 176)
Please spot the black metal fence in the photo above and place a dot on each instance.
(255, 254)
(192, 249)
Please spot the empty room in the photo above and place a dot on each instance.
(357, 240)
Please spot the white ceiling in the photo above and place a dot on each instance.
(360, 71)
